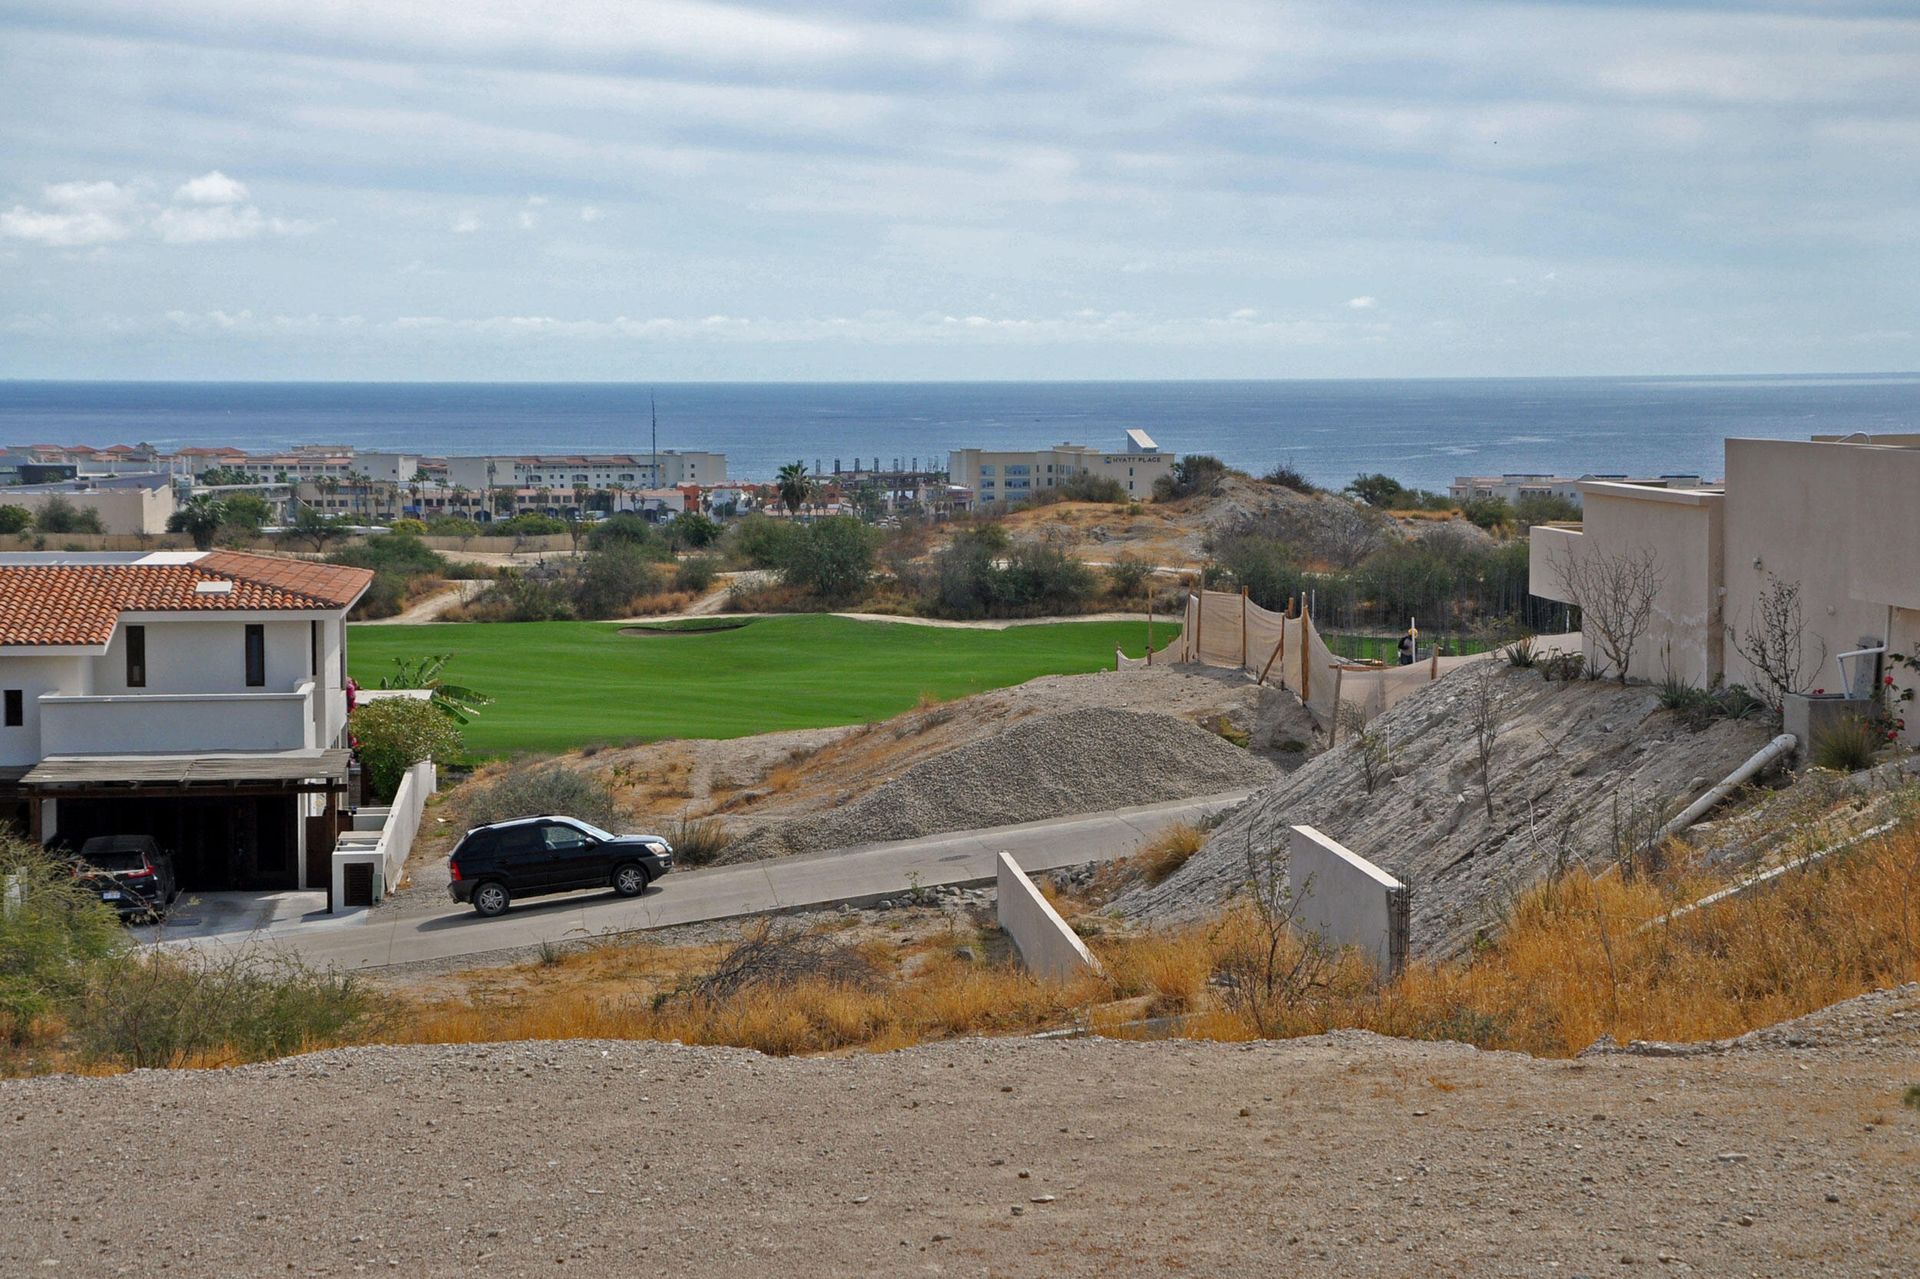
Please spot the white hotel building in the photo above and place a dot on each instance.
(998, 477)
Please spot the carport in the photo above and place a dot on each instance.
(255, 821)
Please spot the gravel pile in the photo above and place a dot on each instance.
(1077, 761)
(1575, 767)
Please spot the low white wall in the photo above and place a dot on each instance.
(1346, 900)
(1047, 946)
(158, 722)
(396, 836)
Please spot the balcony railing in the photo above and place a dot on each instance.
(177, 723)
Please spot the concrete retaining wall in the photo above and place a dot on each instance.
(1047, 946)
(1346, 900)
(388, 851)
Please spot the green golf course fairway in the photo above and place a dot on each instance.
(560, 685)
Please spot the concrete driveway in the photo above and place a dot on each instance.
(201, 916)
(854, 875)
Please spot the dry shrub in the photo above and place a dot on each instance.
(1168, 851)
(662, 602)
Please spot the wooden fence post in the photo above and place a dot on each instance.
(1306, 653)
(1333, 727)
(1243, 628)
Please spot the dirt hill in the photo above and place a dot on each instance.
(1326, 526)
(1576, 768)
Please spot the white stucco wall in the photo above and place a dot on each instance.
(1345, 899)
(35, 677)
(205, 656)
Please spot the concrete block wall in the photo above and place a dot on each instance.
(1346, 900)
(396, 834)
(1047, 946)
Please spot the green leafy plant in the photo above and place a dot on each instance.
(456, 701)
(392, 734)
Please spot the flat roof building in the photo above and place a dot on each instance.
(1001, 476)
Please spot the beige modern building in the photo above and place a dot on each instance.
(1834, 518)
(126, 504)
(1013, 476)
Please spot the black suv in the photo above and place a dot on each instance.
(131, 873)
(532, 856)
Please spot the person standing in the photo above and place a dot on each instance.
(1406, 648)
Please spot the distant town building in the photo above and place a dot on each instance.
(997, 477)
(594, 472)
(126, 504)
(1515, 487)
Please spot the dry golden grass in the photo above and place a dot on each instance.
(1581, 956)
(1168, 851)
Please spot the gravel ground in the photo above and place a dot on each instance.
(1344, 1155)
(1077, 761)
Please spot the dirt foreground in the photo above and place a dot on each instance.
(1790, 1153)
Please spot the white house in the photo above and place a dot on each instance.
(198, 697)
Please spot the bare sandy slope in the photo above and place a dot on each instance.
(1345, 1155)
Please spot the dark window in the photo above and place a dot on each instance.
(16, 708)
(313, 649)
(256, 655)
(136, 657)
(519, 841)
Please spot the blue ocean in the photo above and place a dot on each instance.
(1422, 432)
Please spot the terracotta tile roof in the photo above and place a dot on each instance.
(81, 603)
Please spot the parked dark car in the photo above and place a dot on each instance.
(132, 874)
(532, 856)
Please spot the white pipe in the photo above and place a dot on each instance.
(1773, 750)
(1840, 660)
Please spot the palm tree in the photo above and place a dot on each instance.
(795, 487)
(200, 519)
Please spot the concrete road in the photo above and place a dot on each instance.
(859, 875)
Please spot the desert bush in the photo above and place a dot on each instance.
(452, 526)
(697, 574)
(1127, 576)
(166, 1009)
(1194, 473)
(52, 932)
(516, 597)
(58, 515)
(1288, 476)
(538, 792)
(693, 530)
(831, 558)
(1488, 512)
(1523, 653)
(759, 541)
(1846, 748)
(1546, 508)
(697, 841)
(407, 526)
(527, 525)
(15, 519)
(627, 530)
(392, 734)
(613, 575)
(770, 957)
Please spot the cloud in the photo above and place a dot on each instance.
(211, 188)
(465, 224)
(82, 214)
(203, 210)
(590, 213)
(1362, 303)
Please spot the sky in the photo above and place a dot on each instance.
(883, 189)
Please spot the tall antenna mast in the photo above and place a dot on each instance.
(654, 412)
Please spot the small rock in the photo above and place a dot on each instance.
(1833, 1198)
(1041, 1199)
(1018, 1210)
(1731, 1157)
(1025, 1173)
(860, 1199)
